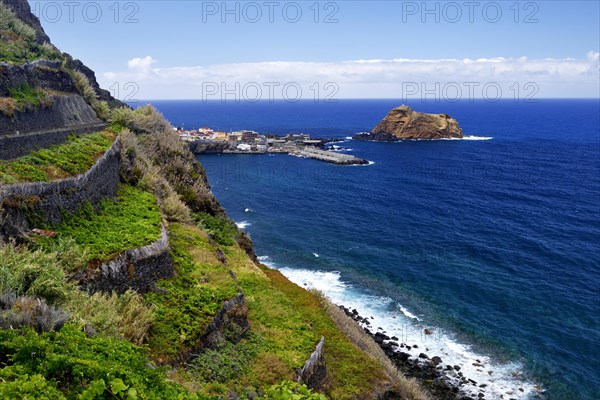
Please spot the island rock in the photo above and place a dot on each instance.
(404, 123)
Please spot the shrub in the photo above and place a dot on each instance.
(137, 169)
(228, 362)
(143, 120)
(19, 42)
(16, 384)
(102, 110)
(35, 274)
(175, 210)
(26, 97)
(8, 106)
(121, 118)
(73, 363)
(29, 311)
(291, 390)
(220, 228)
(84, 87)
(111, 315)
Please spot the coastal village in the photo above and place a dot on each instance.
(207, 140)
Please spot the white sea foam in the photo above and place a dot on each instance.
(502, 380)
(263, 258)
(477, 138)
(362, 165)
(339, 149)
(451, 138)
(243, 224)
(408, 313)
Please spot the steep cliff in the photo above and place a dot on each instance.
(404, 123)
(40, 87)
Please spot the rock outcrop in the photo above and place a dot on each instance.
(229, 323)
(314, 373)
(404, 123)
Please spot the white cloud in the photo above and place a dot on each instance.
(361, 78)
(141, 64)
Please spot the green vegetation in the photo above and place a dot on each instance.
(68, 364)
(133, 220)
(142, 120)
(222, 230)
(26, 97)
(29, 278)
(190, 300)
(287, 323)
(18, 40)
(104, 345)
(87, 91)
(35, 273)
(74, 157)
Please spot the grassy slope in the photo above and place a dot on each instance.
(286, 321)
(187, 302)
(74, 157)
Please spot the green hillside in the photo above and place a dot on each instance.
(216, 324)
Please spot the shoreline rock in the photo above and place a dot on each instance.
(428, 370)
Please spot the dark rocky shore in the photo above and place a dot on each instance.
(442, 381)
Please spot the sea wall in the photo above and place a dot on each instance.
(27, 205)
(136, 269)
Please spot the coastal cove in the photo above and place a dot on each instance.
(487, 243)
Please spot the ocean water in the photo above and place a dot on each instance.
(491, 244)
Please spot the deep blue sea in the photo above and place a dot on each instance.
(493, 245)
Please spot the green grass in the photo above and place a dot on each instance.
(132, 221)
(219, 228)
(74, 157)
(25, 96)
(189, 301)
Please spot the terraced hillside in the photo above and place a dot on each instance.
(122, 277)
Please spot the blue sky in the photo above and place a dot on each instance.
(366, 48)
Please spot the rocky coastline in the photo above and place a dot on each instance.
(442, 381)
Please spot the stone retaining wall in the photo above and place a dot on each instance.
(24, 205)
(18, 145)
(136, 269)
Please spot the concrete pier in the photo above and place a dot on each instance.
(328, 156)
